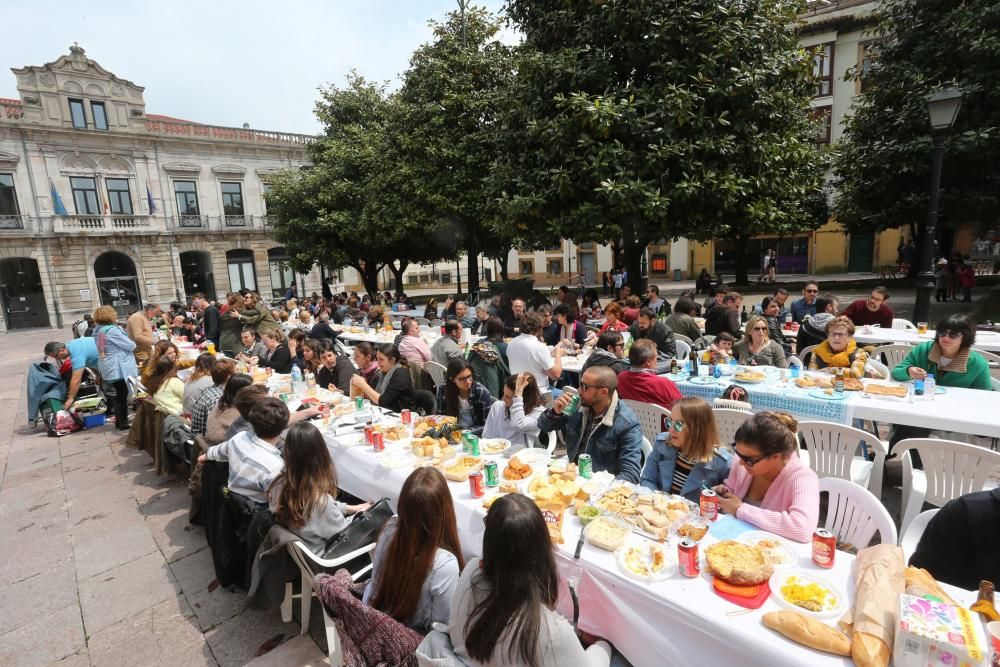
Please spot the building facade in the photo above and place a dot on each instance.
(102, 203)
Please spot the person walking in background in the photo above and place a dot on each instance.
(772, 265)
(941, 280)
(605, 283)
(139, 327)
(616, 277)
(967, 278)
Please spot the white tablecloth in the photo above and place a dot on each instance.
(985, 340)
(678, 621)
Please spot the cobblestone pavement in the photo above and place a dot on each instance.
(98, 563)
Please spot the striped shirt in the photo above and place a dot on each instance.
(682, 470)
(253, 464)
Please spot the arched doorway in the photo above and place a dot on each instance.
(22, 294)
(118, 282)
(196, 267)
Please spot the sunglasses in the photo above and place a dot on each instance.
(675, 424)
(947, 333)
(812, 291)
(760, 328)
(750, 461)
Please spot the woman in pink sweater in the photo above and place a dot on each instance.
(771, 488)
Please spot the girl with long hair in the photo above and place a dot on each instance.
(163, 348)
(225, 413)
(303, 497)
(687, 456)
(515, 416)
(364, 357)
(165, 388)
(308, 358)
(199, 380)
(394, 390)
(504, 607)
(418, 557)
(462, 397)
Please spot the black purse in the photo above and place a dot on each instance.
(363, 530)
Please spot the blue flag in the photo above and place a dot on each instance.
(149, 200)
(57, 204)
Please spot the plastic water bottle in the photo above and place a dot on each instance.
(364, 323)
(919, 387)
(296, 381)
(930, 386)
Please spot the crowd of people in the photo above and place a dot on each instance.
(510, 383)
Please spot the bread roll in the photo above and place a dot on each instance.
(869, 651)
(808, 632)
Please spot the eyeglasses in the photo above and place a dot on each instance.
(876, 299)
(812, 291)
(838, 334)
(584, 386)
(750, 461)
(676, 424)
(464, 378)
(948, 333)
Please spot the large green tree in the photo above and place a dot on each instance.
(343, 211)
(446, 131)
(642, 120)
(884, 158)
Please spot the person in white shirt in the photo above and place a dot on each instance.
(254, 459)
(515, 416)
(528, 354)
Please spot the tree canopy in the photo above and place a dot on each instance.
(650, 120)
(882, 170)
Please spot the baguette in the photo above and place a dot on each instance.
(919, 582)
(808, 632)
(869, 651)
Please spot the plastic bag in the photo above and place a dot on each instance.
(63, 422)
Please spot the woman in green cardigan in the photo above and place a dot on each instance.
(949, 357)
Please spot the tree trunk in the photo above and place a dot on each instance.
(369, 275)
(634, 249)
(742, 250)
(616, 252)
(397, 273)
(472, 268)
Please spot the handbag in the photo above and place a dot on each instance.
(362, 531)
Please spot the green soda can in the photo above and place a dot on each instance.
(473, 444)
(359, 402)
(283, 396)
(585, 466)
(466, 447)
(492, 471)
(574, 402)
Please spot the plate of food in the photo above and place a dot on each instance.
(702, 379)
(886, 390)
(738, 563)
(694, 528)
(813, 381)
(458, 468)
(493, 446)
(652, 514)
(516, 470)
(807, 593)
(607, 533)
(646, 561)
(777, 550)
(587, 513)
(556, 489)
(393, 431)
(750, 377)
(396, 459)
(828, 394)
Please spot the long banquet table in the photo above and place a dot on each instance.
(677, 621)
(985, 340)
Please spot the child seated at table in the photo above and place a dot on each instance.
(771, 487)
(686, 457)
(303, 495)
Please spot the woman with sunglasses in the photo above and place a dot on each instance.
(770, 487)
(756, 348)
(949, 357)
(687, 456)
(460, 396)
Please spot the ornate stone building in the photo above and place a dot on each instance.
(102, 203)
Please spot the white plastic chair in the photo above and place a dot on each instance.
(903, 325)
(806, 355)
(893, 354)
(437, 324)
(683, 348)
(830, 452)
(422, 321)
(951, 469)
(650, 417)
(436, 371)
(909, 540)
(854, 515)
(647, 449)
(728, 421)
(681, 338)
(552, 437)
(311, 565)
(730, 404)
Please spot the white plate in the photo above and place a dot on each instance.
(836, 608)
(396, 459)
(501, 444)
(821, 393)
(536, 457)
(790, 558)
(645, 549)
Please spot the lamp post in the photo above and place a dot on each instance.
(942, 107)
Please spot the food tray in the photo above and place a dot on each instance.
(787, 557)
(834, 608)
(500, 445)
(641, 554)
(536, 457)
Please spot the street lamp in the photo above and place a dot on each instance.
(942, 107)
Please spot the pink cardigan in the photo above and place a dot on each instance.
(790, 508)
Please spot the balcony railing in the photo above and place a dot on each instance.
(226, 133)
(203, 223)
(106, 223)
(14, 221)
(237, 220)
(192, 221)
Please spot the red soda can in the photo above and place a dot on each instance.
(378, 441)
(708, 505)
(369, 430)
(687, 558)
(477, 485)
(824, 548)
(406, 417)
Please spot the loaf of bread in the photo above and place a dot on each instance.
(808, 632)
(869, 651)
(919, 582)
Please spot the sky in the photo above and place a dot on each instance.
(223, 62)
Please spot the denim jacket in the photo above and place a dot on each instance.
(616, 445)
(115, 348)
(658, 472)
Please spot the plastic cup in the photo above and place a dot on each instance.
(921, 327)
(993, 633)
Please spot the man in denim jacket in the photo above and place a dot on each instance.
(603, 427)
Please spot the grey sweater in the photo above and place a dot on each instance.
(325, 522)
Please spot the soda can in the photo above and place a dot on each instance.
(283, 396)
(369, 431)
(574, 402)
(477, 487)
(585, 466)
(824, 548)
(405, 417)
(473, 444)
(359, 402)
(687, 558)
(378, 441)
(492, 471)
(708, 505)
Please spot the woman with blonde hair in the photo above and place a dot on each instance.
(199, 380)
(687, 456)
(116, 360)
(278, 357)
(164, 348)
(756, 347)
